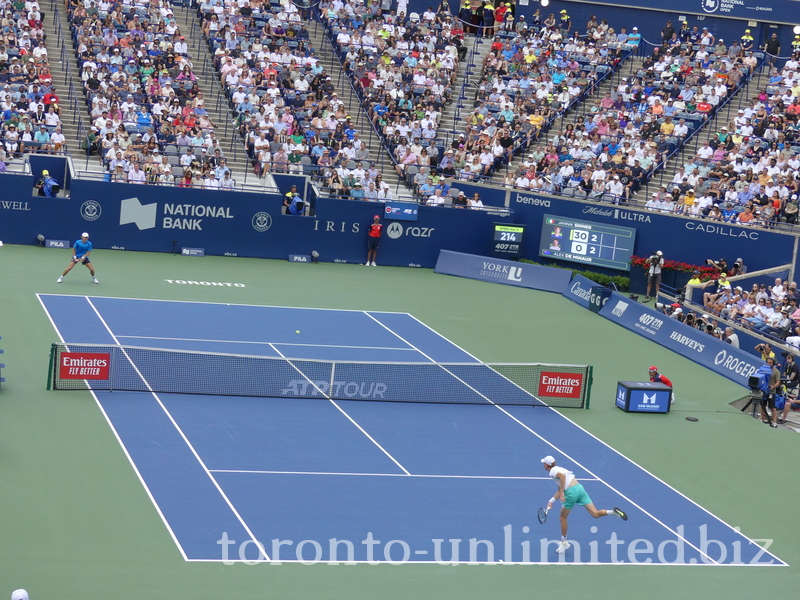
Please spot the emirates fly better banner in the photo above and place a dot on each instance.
(84, 365)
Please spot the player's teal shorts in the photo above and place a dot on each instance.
(576, 495)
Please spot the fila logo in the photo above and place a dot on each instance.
(132, 211)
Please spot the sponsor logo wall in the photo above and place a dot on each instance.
(132, 217)
(735, 364)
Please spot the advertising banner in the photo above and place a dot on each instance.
(507, 272)
(121, 216)
(401, 211)
(698, 346)
(580, 290)
(84, 365)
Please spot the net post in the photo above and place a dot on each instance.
(589, 375)
(50, 366)
(330, 383)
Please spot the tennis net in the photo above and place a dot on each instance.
(132, 368)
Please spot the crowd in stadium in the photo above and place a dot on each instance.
(612, 151)
(149, 123)
(746, 172)
(284, 103)
(404, 67)
(28, 99)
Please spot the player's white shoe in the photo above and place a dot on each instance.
(562, 546)
(59, 280)
(373, 264)
(94, 280)
(366, 264)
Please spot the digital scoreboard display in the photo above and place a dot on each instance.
(587, 242)
(508, 240)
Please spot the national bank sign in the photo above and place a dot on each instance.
(189, 217)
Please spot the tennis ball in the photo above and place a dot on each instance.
(298, 331)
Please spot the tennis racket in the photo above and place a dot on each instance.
(543, 515)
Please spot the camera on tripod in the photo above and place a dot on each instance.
(756, 394)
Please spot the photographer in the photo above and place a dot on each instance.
(766, 351)
(731, 337)
(720, 266)
(739, 268)
(656, 262)
(673, 310)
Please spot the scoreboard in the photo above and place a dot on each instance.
(508, 239)
(587, 242)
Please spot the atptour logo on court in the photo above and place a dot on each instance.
(560, 385)
(620, 308)
(262, 221)
(91, 210)
(366, 390)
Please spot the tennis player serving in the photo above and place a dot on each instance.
(571, 492)
(80, 255)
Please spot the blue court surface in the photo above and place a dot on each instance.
(316, 480)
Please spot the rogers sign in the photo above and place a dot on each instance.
(733, 364)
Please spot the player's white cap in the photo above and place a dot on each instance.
(548, 460)
(84, 234)
(19, 594)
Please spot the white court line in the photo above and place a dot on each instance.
(183, 435)
(172, 339)
(667, 527)
(345, 310)
(349, 418)
(589, 433)
(122, 445)
(423, 476)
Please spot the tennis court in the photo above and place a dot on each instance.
(386, 481)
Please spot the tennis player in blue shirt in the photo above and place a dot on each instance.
(80, 254)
